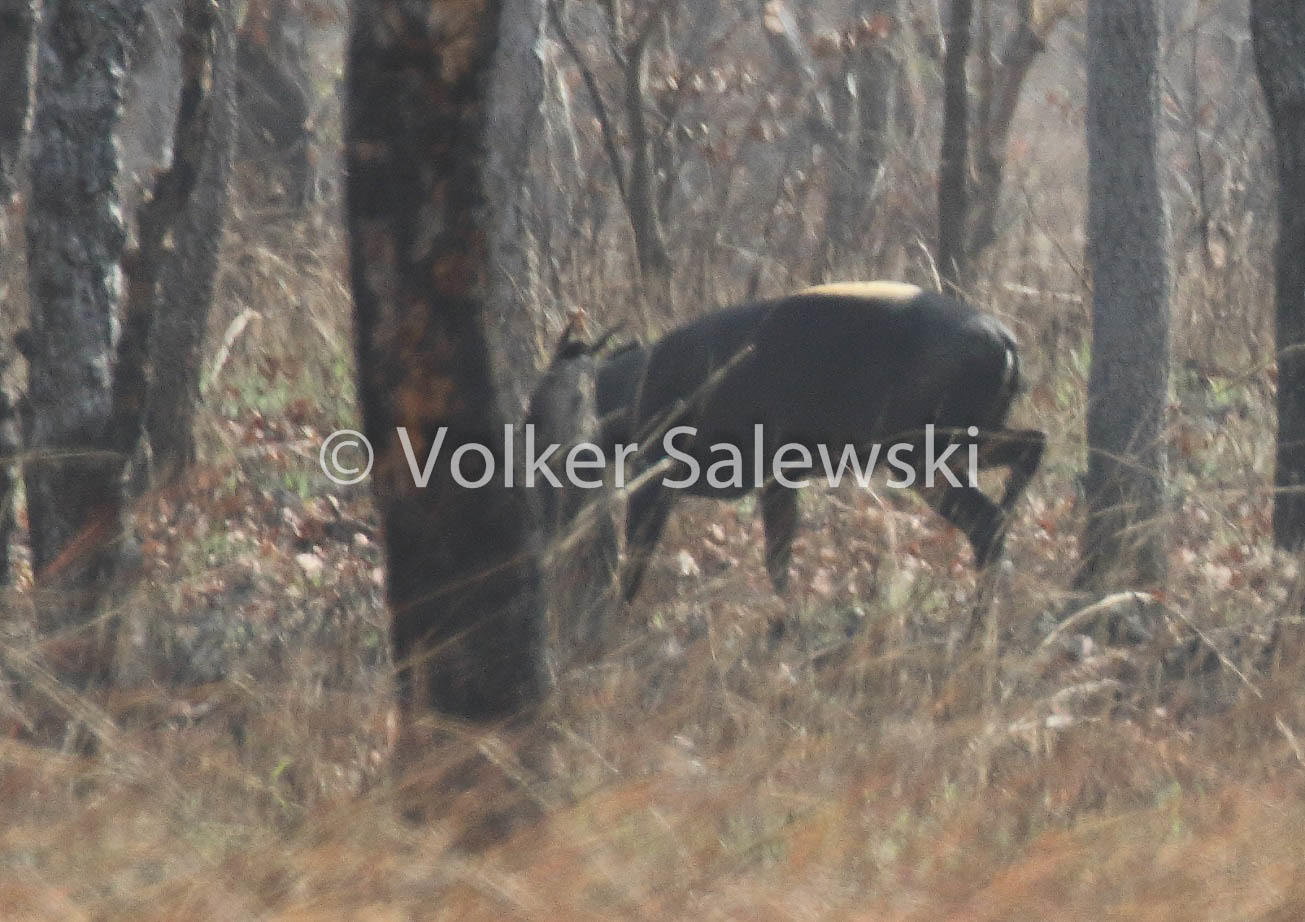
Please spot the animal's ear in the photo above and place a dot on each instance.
(572, 343)
(601, 342)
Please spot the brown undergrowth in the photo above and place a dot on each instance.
(837, 754)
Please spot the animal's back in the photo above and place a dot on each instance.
(883, 364)
(848, 360)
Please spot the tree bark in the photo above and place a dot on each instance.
(17, 53)
(188, 271)
(953, 170)
(75, 239)
(276, 94)
(1128, 384)
(17, 47)
(463, 570)
(649, 243)
(1278, 32)
(875, 65)
(515, 127)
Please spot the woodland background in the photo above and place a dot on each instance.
(861, 763)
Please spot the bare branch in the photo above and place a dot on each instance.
(595, 95)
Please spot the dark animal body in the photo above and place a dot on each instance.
(857, 364)
(583, 551)
(617, 387)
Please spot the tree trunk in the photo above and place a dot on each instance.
(75, 239)
(276, 95)
(1278, 31)
(649, 243)
(860, 104)
(17, 51)
(876, 68)
(17, 44)
(188, 272)
(150, 105)
(953, 173)
(844, 201)
(463, 571)
(515, 128)
(11, 445)
(1027, 40)
(1128, 383)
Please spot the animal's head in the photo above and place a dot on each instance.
(562, 406)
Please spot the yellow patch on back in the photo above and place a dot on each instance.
(879, 291)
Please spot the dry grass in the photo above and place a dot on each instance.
(858, 764)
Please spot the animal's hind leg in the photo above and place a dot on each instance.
(779, 515)
(1020, 450)
(982, 520)
(645, 517)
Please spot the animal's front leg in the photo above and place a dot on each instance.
(779, 515)
(645, 517)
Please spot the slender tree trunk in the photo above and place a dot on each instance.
(875, 63)
(17, 53)
(463, 569)
(860, 106)
(1278, 30)
(188, 272)
(276, 94)
(11, 444)
(649, 243)
(515, 127)
(842, 202)
(637, 188)
(1027, 40)
(953, 178)
(1128, 385)
(17, 45)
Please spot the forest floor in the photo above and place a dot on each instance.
(860, 763)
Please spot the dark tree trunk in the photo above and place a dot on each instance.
(1128, 383)
(75, 239)
(17, 44)
(462, 564)
(276, 95)
(1278, 30)
(953, 177)
(17, 51)
(649, 244)
(188, 271)
(10, 445)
